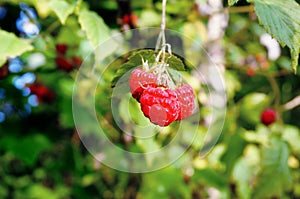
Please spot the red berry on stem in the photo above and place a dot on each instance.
(160, 105)
(186, 98)
(64, 64)
(140, 80)
(268, 117)
(61, 48)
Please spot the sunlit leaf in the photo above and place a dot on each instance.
(11, 46)
(161, 183)
(62, 9)
(252, 105)
(94, 27)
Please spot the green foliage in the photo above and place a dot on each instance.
(275, 177)
(165, 183)
(232, 2)
(286, 27)
(94, 27)
(136, 60)
(11, 46)
(252, 105)
(24, 150)
(62, 9)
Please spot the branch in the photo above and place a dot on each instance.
(292, 104)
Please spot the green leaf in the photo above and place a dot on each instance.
(62, 9)
(161, 183)
(242, 174)
(245, 170)
(234, 150)
(94, 27)
(210, 178)
(11, 46)
(27, 149)
(274, 178)
(176, 63)
(232, 2)
(292, 137)
(281, 19)
(135, 60)
(252, 105)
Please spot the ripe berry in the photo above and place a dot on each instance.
(64, 64)
(140, 80)
(186, 97)
(43, 93)
(61, 48)
(130, 19)
(160, 105)
(4, 71)
(76, 61)
(268, 116)
(251, 72)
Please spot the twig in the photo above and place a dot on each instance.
(292, 104)
(241, 9)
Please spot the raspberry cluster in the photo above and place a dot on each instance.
(63, 62)
(160, 104)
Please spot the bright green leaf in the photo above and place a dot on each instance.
(252, 105)
(11, 46)
(232, 2)
(94, 27)
(165, 183)
(275, 177)
(242, 174)
(210, 178)
(281, 19)
(245, 170)
(62, 9)
(291, 135)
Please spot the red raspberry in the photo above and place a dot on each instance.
(76, 61)
(140, 80)
(43, 93)
(4, 71)
(268, 116)
(186, 98)
(61, 48)
(160, 105)
(64, 64)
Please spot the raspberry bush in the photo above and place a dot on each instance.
(253, 43)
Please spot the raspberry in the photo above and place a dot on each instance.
(76, 61)
(61, 48)
(64, 64)
(160, 105)
(139, 80)
(268, 116)
(186, 98)
(43, 93)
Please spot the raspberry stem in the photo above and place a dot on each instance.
(161, 61)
